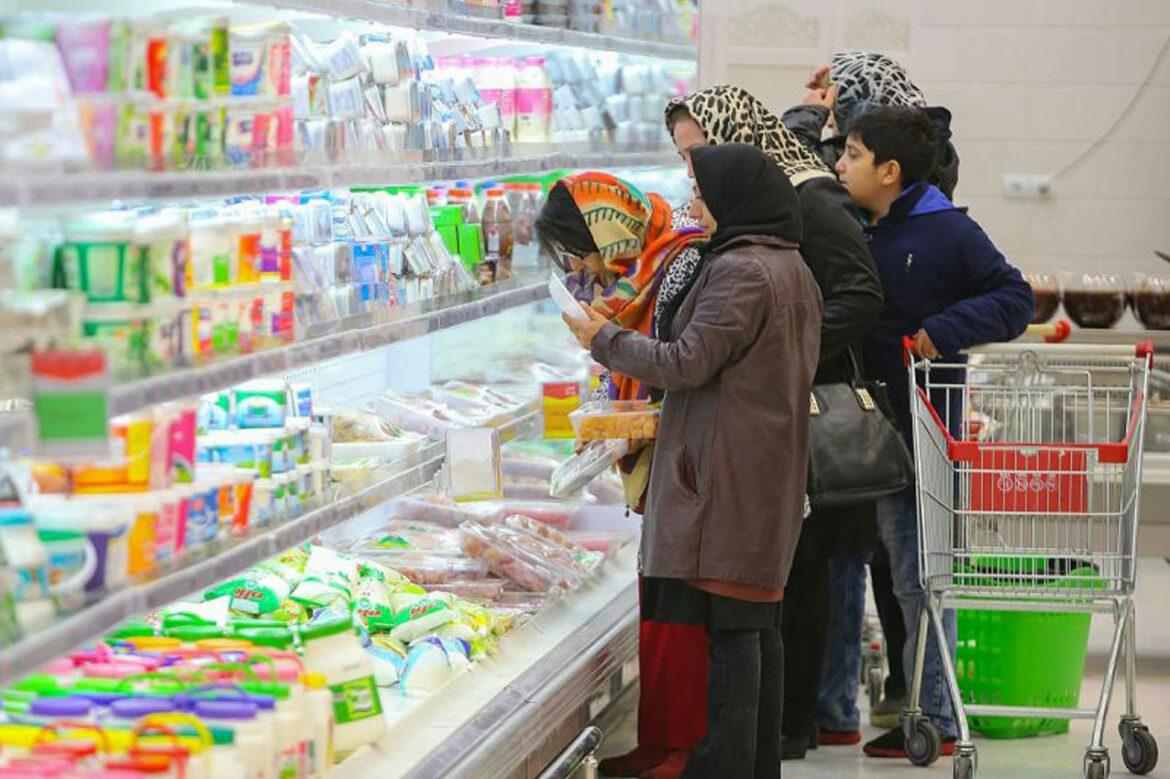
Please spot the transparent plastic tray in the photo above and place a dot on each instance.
(596, 458)
(429, 570)
(550, 512)
(476, 590)
(444, 511)
(511, 561)
(551, 544)
(616, 419)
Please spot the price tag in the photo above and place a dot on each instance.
(71, 400)
(559, 399)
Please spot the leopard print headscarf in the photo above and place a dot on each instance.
(866, 80)
(731, 114)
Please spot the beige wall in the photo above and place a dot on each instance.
(1033, 85)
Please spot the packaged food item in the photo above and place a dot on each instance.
(605, 541)
(417, 535)
(331, 648)
(510, 561)
(635, 420)
(556, 551)
(418, 617)
(441, 510)
(260, 403)
(475, 590)
(329, 576)
(428, 569)
(595, 458)
(547, 511)
(262, 589)
(371, 604)
(431, 664)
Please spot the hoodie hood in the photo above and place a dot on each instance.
(747, 193)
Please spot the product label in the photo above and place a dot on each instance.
(355, 700)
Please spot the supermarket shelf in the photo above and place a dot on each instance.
(17, 431)
(48, 188)
(211, 566)
(413, 321)
(438, 21)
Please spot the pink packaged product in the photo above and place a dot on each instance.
(410, 535)
(512, 561)
(558, 515)
(85, 49)
(429, 570)
(443, 511)
(567, 558)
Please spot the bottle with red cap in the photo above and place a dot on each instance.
(497, 231)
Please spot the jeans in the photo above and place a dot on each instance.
(841, 669)
(744, 707)
(897, 517)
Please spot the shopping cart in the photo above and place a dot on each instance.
(1028, 481)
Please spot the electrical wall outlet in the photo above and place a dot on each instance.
(1027, 185)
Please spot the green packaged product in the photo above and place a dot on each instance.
(329, 577)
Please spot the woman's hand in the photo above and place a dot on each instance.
(586, 331)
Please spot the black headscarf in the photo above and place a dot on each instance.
(560, 220)
(746, 192)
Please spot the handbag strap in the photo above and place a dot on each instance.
(853, 374)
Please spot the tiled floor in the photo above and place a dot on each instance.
(1052, 757)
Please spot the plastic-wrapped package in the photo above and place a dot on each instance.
(408, 534)
(549, 545)
(443, 511)
(362, 427)
(546, 511)
(605, 541)
(511, 561)
(595, 458)
(475, 590)
(429, 569)
(330, 577)
(635, 420)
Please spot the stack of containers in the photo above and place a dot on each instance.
(153, 94)
(198, 699)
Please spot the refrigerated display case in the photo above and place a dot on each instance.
(423, 339)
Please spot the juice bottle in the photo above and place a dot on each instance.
(497, 230)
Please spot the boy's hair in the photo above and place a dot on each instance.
(900, 133)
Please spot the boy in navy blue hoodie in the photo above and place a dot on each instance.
(947, 287)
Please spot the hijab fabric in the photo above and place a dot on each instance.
(731, 114)
(746, 193)
(866, 80)
(632, 232)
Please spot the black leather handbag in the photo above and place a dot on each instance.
(856, 453)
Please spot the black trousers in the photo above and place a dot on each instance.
(745, 700)
(893, 625)
(805, 629)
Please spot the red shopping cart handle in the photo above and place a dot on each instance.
(1052, 332)
(909, 351)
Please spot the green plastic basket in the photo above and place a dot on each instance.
(1015, 658)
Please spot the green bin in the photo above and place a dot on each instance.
(1019, 658)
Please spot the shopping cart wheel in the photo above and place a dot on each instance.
(964, 766)
(924, 745)
(1140, 750)
(1097, 769)
(873, 685)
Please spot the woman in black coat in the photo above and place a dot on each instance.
(835, 250)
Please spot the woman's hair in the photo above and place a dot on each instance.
(676, 114)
